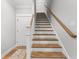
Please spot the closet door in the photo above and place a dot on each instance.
(22, 30)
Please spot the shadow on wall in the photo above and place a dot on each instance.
(49, 3)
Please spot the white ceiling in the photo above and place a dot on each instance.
(26, 2)
(23, 2)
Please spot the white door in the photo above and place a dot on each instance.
(22, 30)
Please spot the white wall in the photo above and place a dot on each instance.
(69, 43)
(66, 11)
(40, 6)
(8, 38)
(24, 9)
(24, 6)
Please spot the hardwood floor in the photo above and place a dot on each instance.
(46, 39)
(17, 51)
(46, 46)
(47, 55)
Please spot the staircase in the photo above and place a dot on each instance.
(45, 41)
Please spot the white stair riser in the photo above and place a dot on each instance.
(45, 42)
(48, 49)
(43, 29)
(42, 25)
(44, 32)
(42, 21)
(45, 37)
(48, 58)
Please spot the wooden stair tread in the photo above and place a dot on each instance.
(47, 55)
(45, 39)
(41, 16)
(43, 30)
(43, 27)
(42, 24)
(41, 20)
(44, 34)
(46, 46)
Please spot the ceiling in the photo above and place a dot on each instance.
(23, 2)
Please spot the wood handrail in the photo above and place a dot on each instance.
(31, 21)
(62, 24)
